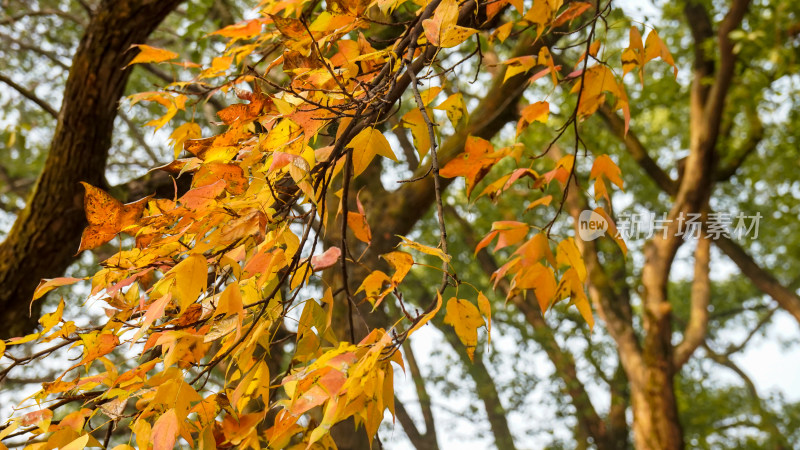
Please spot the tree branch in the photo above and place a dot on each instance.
(422, 393)
(43, 12)
(29, 95)
(755, 134)
(761, 278)
(36, 49)
(695, 333)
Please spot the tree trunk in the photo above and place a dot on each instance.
(45, 236)
(655, 414)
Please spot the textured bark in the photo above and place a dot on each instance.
(44, 238)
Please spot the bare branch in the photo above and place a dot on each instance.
(29, 95)
(761, 278)
(52, 56)
(44, 12)
(755, 134)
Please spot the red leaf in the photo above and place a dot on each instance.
(326, 259)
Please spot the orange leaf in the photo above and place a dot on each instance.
(604, 168)
(476, 161)
(535, 112)
(165, 431)
(107, 216)
(48, 284)
(327, 259)
(654, 48)
(242, 30)
(148, 54)
(358, 223)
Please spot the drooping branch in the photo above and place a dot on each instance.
(590, 424)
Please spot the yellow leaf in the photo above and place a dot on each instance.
(454, 107)
(518, 65)
(419, 131)
(425, 249)
(441, 29)
(540, 201)
(368, 143)
(427, 317)
(604, 168)
(148, 54)
(568, 254)
(183, 133)
(77, 444)
(191, 279)
(373, 284)
(402, 262)
(654, 48)
(466, 320)
(633, 56)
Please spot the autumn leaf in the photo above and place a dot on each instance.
(182, 134)
(368, 143)
(466, 320)
(48, 284)
(148, 54)
(326, 259)
(358, 224)
(508, 233)
(633, 56)
(107, 216)
(442, 30)
(165, 431)
(654, 47)
(535, 112)
(604, 169)
(473, 164)
(402, 262)
(191, 278)
(78, 444)
(454, 107)
(486, 311)
(437, 252)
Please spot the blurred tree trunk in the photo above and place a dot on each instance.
(45, 236)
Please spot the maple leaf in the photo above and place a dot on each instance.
(368, 143)
(107, 216)
(476, 161)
